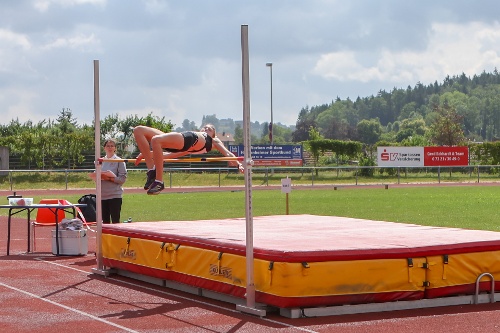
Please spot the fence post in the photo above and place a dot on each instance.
(439, 175)
(356, 174)
(10, 179)
(399, 176)
(170, 178)
(219, 177)
(312, 177)
(66, 177)
(478, 173)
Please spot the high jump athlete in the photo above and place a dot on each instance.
(173, 145)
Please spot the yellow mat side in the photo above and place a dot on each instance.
(277, 278)
(462, 268)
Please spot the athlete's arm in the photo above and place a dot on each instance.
(220, 147)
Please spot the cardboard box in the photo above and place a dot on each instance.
(71, 242)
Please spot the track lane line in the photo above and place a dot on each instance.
(85, 314)
(182, 297)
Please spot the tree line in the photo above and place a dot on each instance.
(63, 143)
(459, 111)
(410, 114)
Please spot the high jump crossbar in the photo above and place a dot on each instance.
(181, 160)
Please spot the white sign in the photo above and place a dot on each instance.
(400, 156)
(286, 185)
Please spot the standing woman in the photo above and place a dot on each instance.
(113, 176)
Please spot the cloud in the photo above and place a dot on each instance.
(182, 59)
(79, 42)
(13, 62)
(44, 5)
(343, 66)
(451, 49)
(21, 105)
(13, 39)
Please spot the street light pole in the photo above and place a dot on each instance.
(271, 125)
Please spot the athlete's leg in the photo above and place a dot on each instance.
(172, 140)
(143, 136)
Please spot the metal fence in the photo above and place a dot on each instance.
(261, 176)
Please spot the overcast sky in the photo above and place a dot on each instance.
(182, 59)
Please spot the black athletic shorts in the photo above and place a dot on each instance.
(190, 139)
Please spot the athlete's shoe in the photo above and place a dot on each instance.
(156, 188)
(151, 176)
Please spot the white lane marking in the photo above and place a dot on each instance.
(68, 308)
(181, 297)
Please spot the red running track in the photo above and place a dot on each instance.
(40, 292)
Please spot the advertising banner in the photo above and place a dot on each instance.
(400, 156)
(422, 156)
(456, 156)
(272, 155)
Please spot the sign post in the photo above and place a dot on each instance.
(286, 187)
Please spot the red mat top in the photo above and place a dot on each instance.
(297, 238)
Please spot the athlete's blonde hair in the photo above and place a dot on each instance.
(212, 127)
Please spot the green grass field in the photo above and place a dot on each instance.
(470, 207)
(37, 179)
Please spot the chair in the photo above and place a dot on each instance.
(46, 216)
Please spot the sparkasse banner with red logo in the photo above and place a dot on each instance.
(400, 156)
(422, 156)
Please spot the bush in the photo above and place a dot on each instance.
(366, 161)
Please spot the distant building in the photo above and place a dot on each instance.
(226, 122)
(226, 138)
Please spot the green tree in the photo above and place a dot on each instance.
(315, 149)
(125, 138)
(79, 141)
(369, 131)
(447, 127)
(410, 128)
(65, 127)
(189, 126)
(314, 134)
(47, 151)
(156, 122)
(27, 146)
(304, 123)
(238, 135)
(264, 137)
(416, 141)
(109, 126)
(406, 110)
